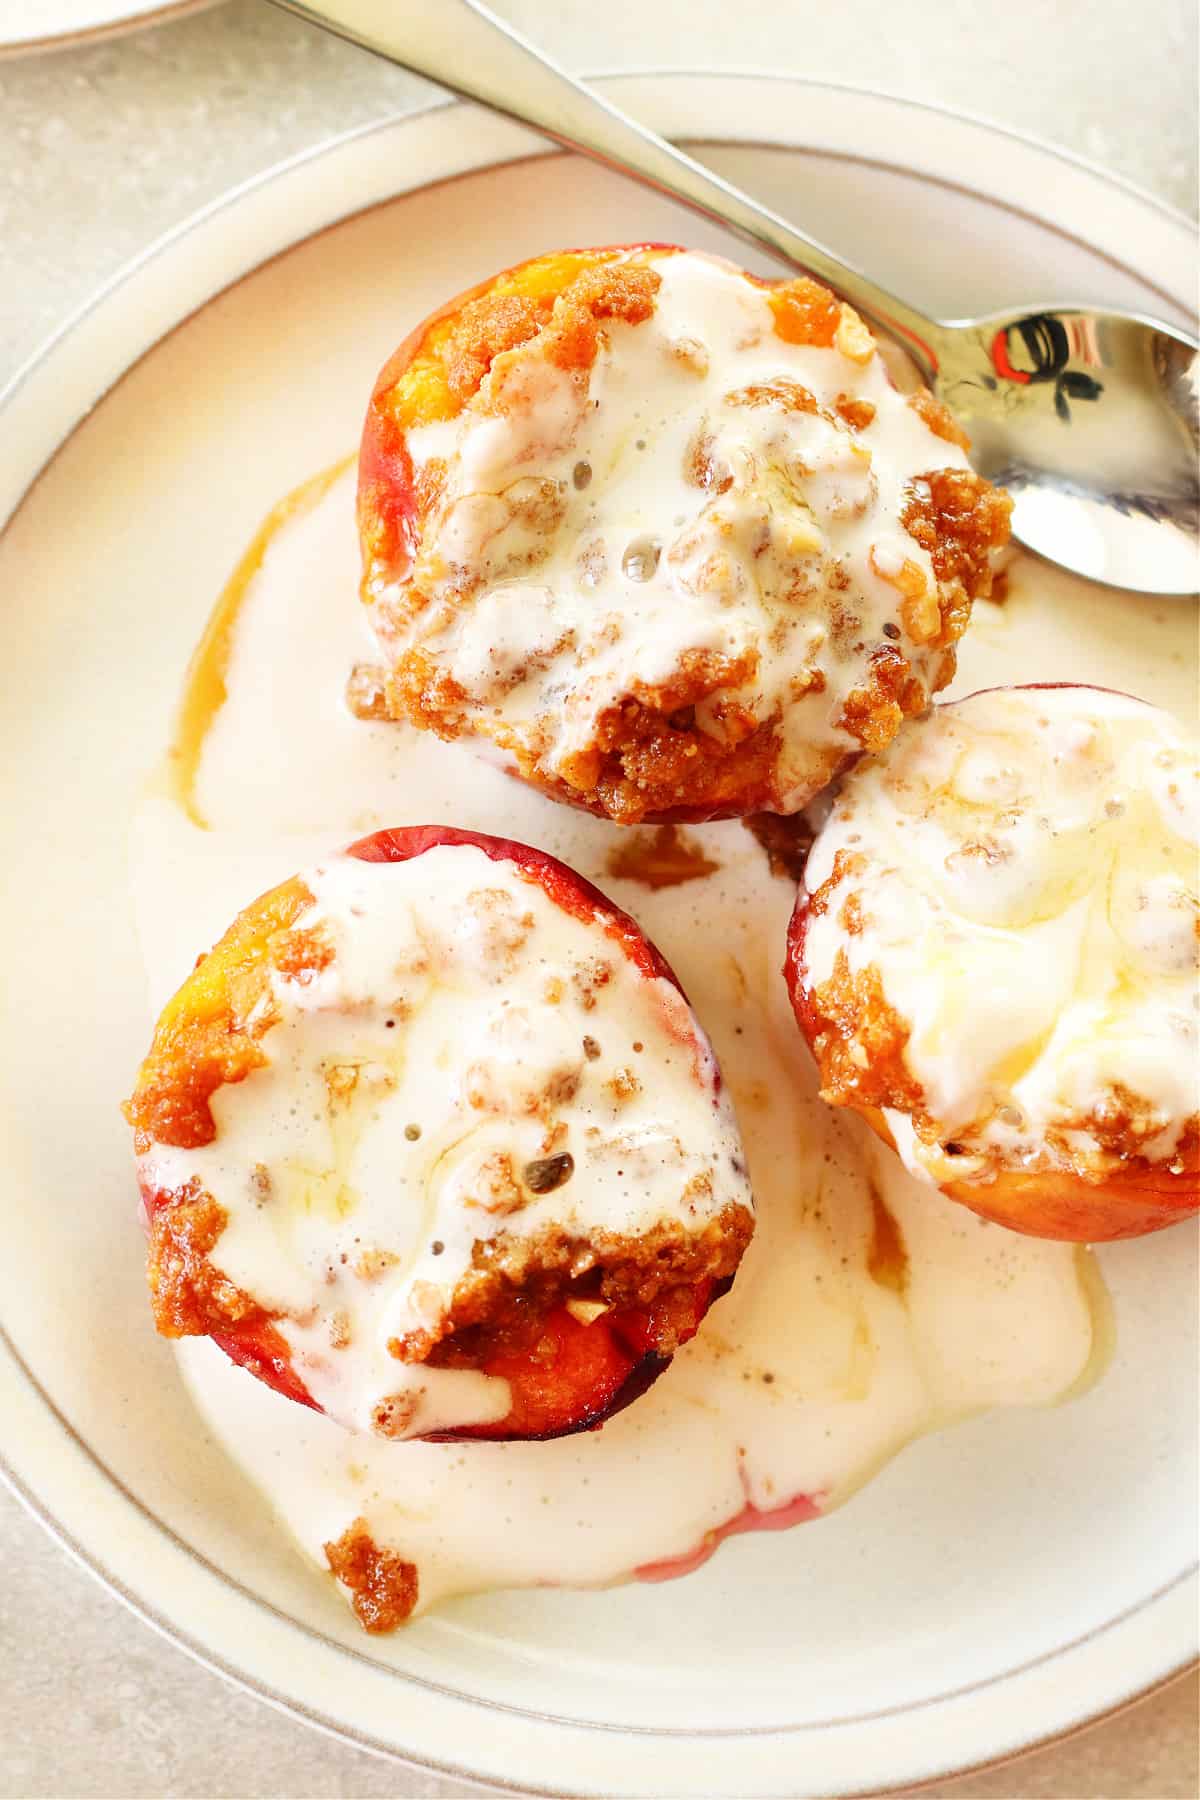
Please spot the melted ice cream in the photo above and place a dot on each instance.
(867, 1310)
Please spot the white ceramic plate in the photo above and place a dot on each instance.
(994, 1586)
(29, 25)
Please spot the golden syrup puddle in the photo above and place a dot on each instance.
(1103, 1315)
(204, 686)
(887, 1259)
(665, 857)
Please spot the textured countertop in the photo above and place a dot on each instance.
(104, 148)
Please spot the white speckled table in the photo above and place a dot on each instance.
(104, 148)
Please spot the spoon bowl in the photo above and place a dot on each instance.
(1089, 419)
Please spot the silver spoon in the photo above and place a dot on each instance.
(1088, 417)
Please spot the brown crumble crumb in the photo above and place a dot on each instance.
(366, 692)
(382, 1584)
(392, 1416)
(373, 1263)
(588, 978)
(546, 1173)
(624, 1085)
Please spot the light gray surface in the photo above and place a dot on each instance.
(104, 148)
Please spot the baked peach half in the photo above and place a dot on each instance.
(662, 537)
(993, 958)
(432, 1142)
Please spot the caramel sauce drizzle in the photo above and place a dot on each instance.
(204, 689)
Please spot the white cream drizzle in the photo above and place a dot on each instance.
(1029, 898)
(861, 1363)
(593, 562)
(465, 1027)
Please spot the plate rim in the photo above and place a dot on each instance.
(82, 37)
(110, 289)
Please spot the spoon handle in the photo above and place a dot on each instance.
(462, 45)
